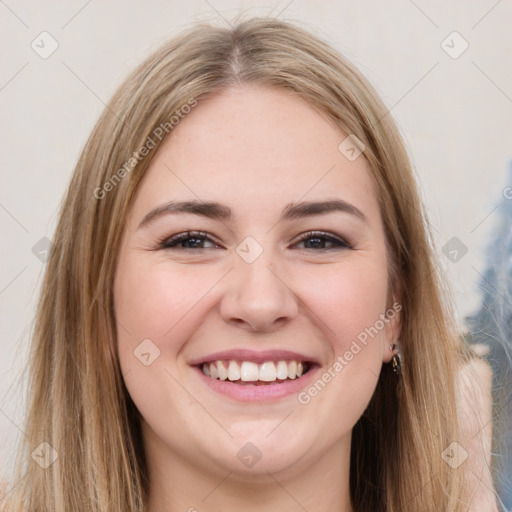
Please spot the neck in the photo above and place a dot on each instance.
(176, 484)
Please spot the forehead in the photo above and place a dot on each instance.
(256, 147)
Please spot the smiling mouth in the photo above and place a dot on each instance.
(250, 373)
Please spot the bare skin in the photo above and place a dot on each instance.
(255, 150)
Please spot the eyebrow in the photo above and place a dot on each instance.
(214, 210)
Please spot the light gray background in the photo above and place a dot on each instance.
(455, 115)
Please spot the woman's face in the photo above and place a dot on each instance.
(213, 326)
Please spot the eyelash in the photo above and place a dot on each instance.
(172, 242)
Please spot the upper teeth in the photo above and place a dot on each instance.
(248, 371)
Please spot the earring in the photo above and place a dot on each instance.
(397, 360)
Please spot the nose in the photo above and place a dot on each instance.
(258, 297)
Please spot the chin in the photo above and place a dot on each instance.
(269, 452)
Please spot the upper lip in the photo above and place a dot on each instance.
(242, 354)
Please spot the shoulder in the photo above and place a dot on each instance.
(475, 418)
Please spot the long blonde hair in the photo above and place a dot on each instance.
(77, 399)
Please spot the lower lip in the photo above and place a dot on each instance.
(268, 392)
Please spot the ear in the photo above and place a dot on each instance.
(392, 318)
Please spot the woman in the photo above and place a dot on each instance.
(241, 308)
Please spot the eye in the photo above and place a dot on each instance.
(188, 240)
(200, 240)
(319, 239)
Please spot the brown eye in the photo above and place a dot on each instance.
(323, 241)
(188, 240)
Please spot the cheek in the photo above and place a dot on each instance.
(151, 302)
(348, 300)
(166, 306)
(349, 304)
